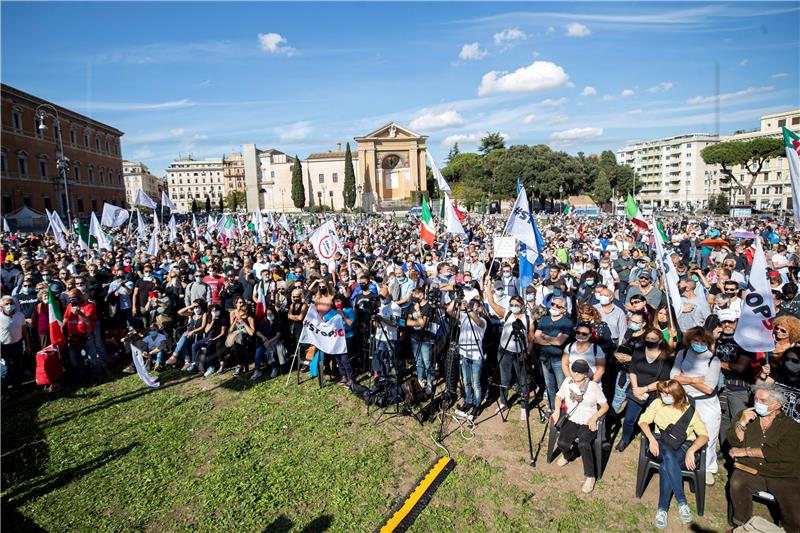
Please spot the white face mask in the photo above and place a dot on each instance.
(604, 300)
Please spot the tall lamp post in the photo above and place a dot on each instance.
(42, 111)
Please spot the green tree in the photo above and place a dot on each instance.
(221, 205)
(208, 204)
(194, 206)
(234, 199)
(719, 204)
(349, 179)
(298, 190)
(454, 151)
(749, 155)
(464, 166)
(492, 141)
(601, 189)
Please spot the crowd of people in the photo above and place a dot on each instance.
(592, 336)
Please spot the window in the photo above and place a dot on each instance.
(272, 174)
(80, 205)
(43, 167)
(96, 142)
(3, 162)
(72, 136)
(94, 205)
(16, 119)
(795, 121)
(26, 200)
(688, 174)
(101, 174)
(335, 178)
(322, 178)
(781, 122)
(22, 163)
(85, 140)
(90, 173)
(8, 205)
(688, 145)
(77, 172)
(107, 150)
(47, 203)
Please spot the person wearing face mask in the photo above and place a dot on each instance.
(80, 318)
(386, 334)
(698, 371)
(14, 339)
(586, 349)
(764, 445)
(142, 289)
(510, 283)
(552, 333)
(622, 266)
(786, 375)
(155, 346)
(472, 328)
(295, 315)
(269, 334)
(737, 372)
(611, 313)
(662, 413)
(215, 281)
(422, 339)
(213, 339)
(197, 289)
(608, 276)
(586, 289)
(402, 288)
(196, 315)
(695, 309)
(645, 288)
(515, 338)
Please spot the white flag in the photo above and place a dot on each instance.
(327, 336)
(326, 244)
(443, 186)
(138, 362)
(113, 216)
(270, 220)
(58, 233)
(5, 226)
(143, 200)
(96, 231)
(451, 222)
(173, 229)
(156, 223)
(166, 202)
(55, 220)
(152, 246)
(141, 231)
(754, 330)
(519, 225)
(284, 222)
(668, 271)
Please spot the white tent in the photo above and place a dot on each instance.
(26, 218)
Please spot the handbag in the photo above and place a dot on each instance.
(674, 435)
(234, 337)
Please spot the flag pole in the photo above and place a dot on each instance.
(665, 290)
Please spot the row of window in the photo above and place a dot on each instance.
(23, 168)
(334, 177)
(78, 206)
(179, 181)
(110, 144)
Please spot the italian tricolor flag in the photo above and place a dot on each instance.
(56, 321)
(261, 300)
(792, 142)
(632, 210)
(427, 232)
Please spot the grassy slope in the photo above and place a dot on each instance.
(219, 455)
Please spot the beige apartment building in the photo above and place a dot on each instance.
(138, 177)
(325, 178)
(233, 174)
(189, 179)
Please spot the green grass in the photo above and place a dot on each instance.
(221, 455)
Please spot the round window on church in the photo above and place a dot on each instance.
(390, 162)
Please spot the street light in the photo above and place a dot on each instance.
(61, 161)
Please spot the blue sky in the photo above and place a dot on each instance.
(203, 78)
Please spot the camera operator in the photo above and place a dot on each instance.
(386, 333)
(470, 340)
(515, 333)
(421, 338)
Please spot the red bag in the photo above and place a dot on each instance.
(48, 367)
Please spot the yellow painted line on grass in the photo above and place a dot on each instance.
(416, 495)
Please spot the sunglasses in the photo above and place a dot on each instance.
(791, 360)
(583, 333)
(557, 306)
(780, 330)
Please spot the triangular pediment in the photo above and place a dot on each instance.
(393, 130)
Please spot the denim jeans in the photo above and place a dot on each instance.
(621, 385)
(632, 412)
(421, 348)
(553, 378)
(471, 376)
(507, 361)
(203, 343)
(345, 369)
(81, 353)
(670, 479)
(382, 361)
(182, 347)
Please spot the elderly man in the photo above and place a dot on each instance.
(764, 445)
(695, 309)
(12, 334)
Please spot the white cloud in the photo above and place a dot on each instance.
(609, 97)
(780, 75)
(436, 120)
(123, 106)
(744, 62)
(538, 76)
(203, 84)
(698, 100)
(588, 91)
(509, 35)
(468, 139)
(273, 43)
(634, 112)
(472, 52)
(575, 136)
(296, 131)
(177, 132)
(558, 119)
(550, 102)
(200, 137)
(661, 87)
(527, 119)
(551, 30)
(626, 93)
(576, 29)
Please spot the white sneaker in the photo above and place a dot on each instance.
(561, 461)
(523, 414)
(684, 513)
(588, 485)
(710, 480)
(209, 371)
(661, 519)
(257, 374)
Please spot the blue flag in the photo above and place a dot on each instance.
(525, 266)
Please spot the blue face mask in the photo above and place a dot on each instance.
(761, 409)
(556, 292)
(699, 348)
(589, 282)
(635, 326)
(667, 400)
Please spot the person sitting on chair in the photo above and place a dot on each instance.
(667, 411)
(582, 398)
(764, 444)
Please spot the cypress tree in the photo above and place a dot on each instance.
(349, 180)
(298, 190)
